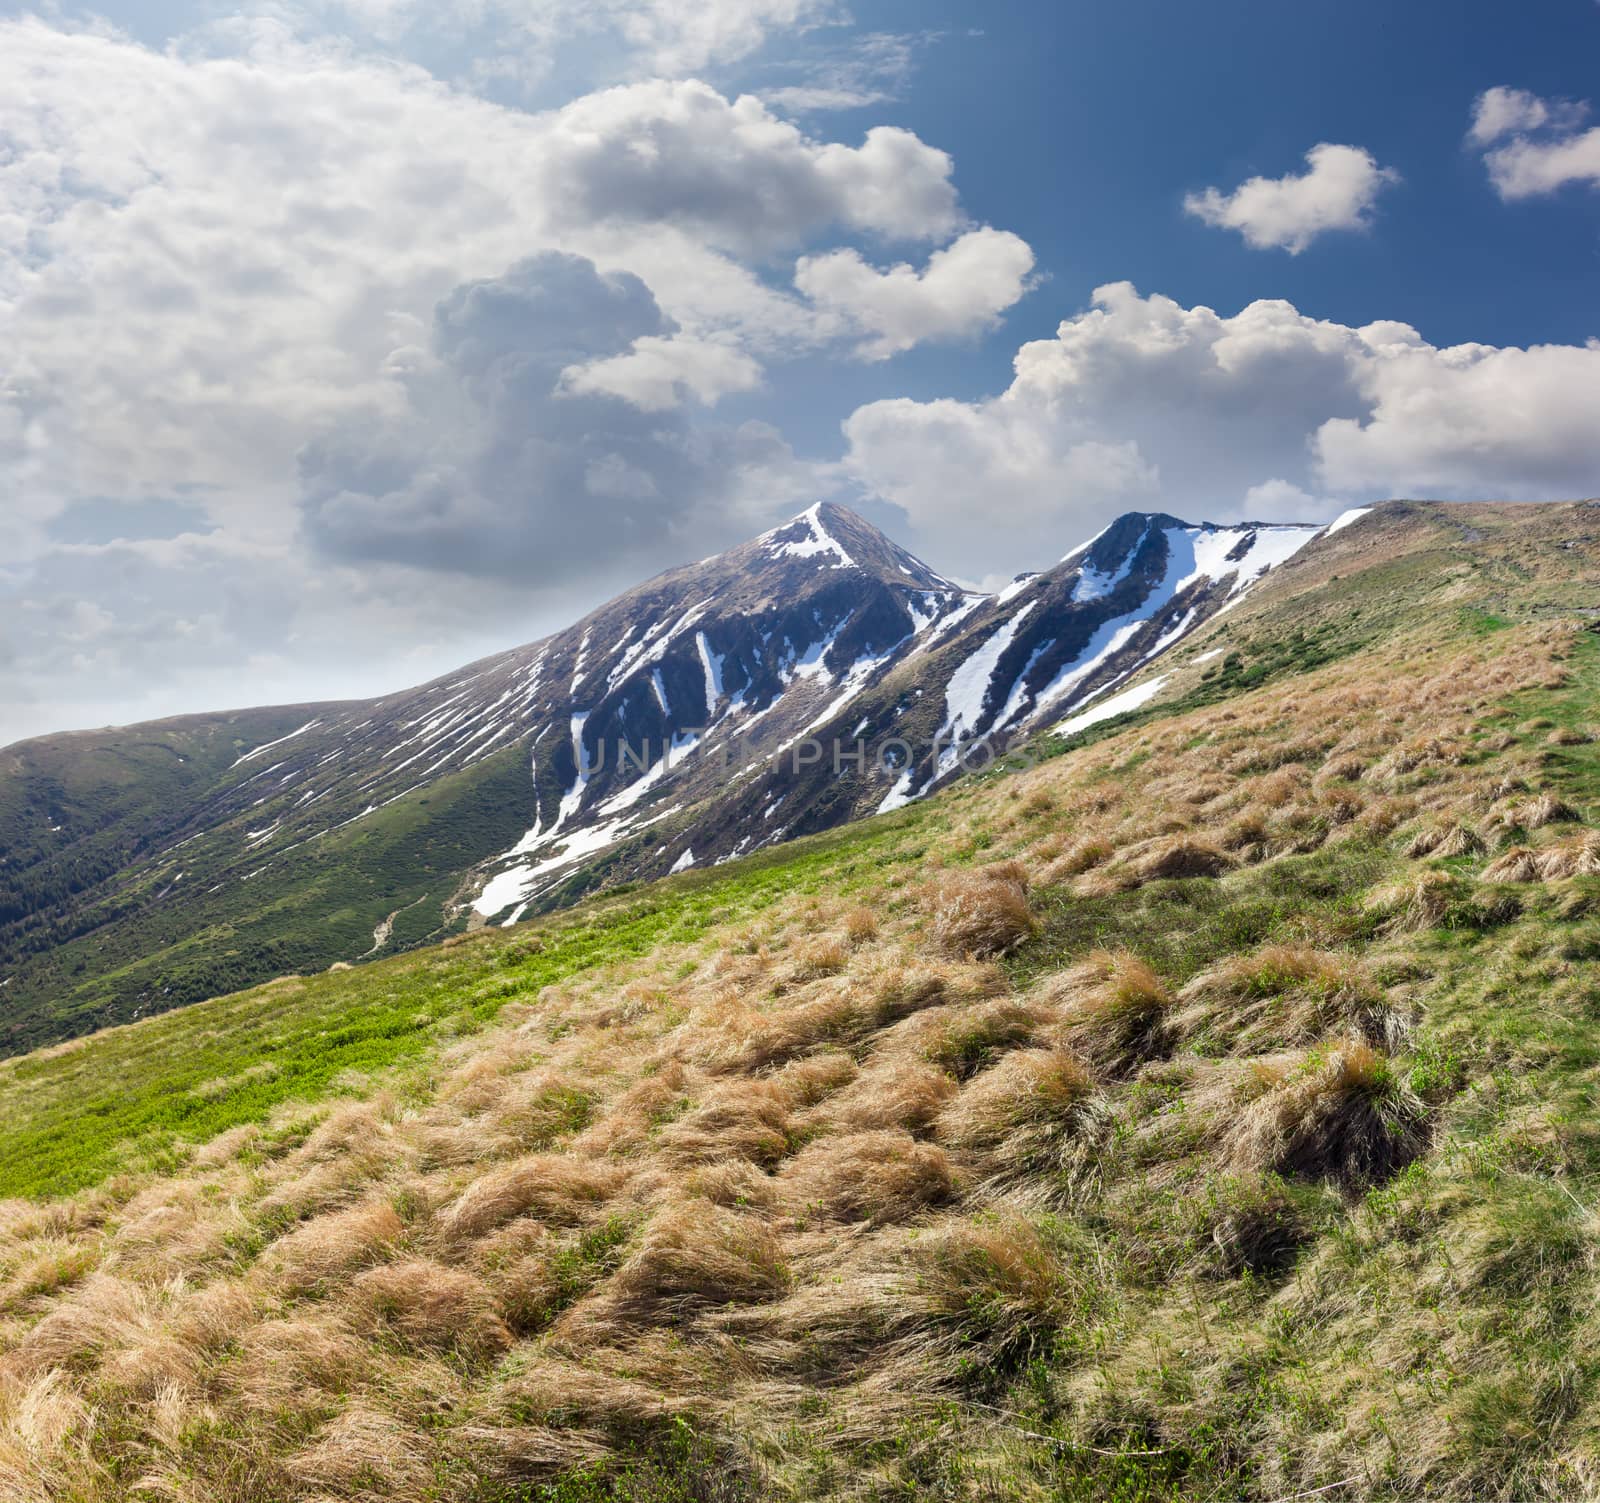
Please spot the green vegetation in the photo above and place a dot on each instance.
(130, 1097)
(1207, 1113)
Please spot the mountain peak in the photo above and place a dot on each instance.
(832, 536)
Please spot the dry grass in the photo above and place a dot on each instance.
(1579, 857)
(1035, 1121)
(1287, 995)
(1340, 1115)
(693, 1254)
(797, 1180)
(428, 1305)
(1114, 1011)
(876, 1176)
(983, 913)
(559, 1189)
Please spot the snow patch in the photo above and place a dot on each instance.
(821, 543)
(1118, 704)
(1344, 519)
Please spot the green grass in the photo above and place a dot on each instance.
(128, 1098)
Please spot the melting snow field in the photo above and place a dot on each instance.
(1118, 704)
(1345, 518)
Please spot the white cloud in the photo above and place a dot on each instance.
(963, 290)
(687, 35)
(1275, 500)
(1501, 112)
(868, 70)
(662, 371)
(1546, 150)
(1337, 191)
(205, 262)
(212, 261)
(1140, 401)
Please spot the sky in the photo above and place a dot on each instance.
(344, 341)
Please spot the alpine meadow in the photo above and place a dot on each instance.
(1203, 1110)
(799, 751)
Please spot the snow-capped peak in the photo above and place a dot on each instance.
(807, 536)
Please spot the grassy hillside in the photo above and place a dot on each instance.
(1206, 1113)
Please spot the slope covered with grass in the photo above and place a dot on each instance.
(1204, 1113)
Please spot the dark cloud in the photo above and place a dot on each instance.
(494, 468)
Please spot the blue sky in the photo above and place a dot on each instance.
(353, 338)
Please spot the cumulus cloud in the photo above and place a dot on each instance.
(660, 372)
(1337, 191)
(1534, 146)
(1268, 413)
(198, 256)
(224, 255)
(490, 464)
(1501, 112)
(963, 290)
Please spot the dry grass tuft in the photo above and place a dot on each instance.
(321, 1251)
(1544, 809)
(1033, 1118)
(743, 1118)
(1552, 863)
(860, 925)
(895, 1093)
(882, 1176)
(1256, 1227)
(1445, 841)
(1000, 1286)
(1420, 901)
(695, 1254)
(1519, 864)
(1341, 1116)
(430, 1306)
(963, 1039)
(983, 913)
(1286, 995)
(1181, 857)
(1084, 855)
(560, 1189)
(1116, 1011)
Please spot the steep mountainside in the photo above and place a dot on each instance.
(1205, 1112)
(812, 675)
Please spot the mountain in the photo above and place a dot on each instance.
(812, 675)
(1205, 1112)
